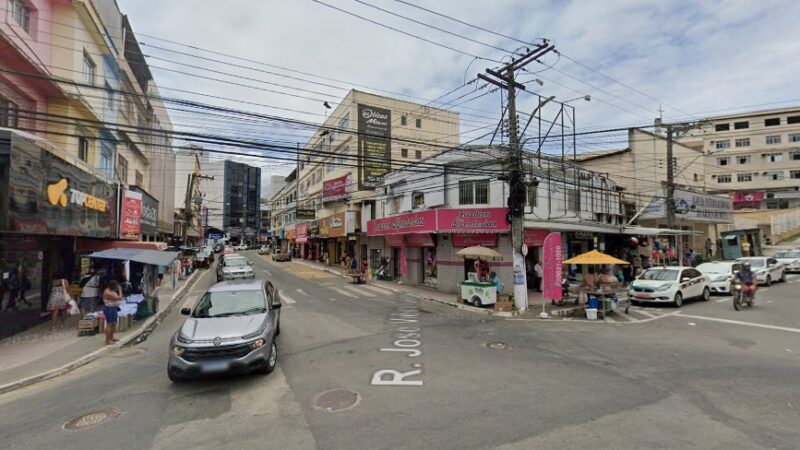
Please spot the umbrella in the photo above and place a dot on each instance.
(479, 252)
(595, 257)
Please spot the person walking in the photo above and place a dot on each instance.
(539, 275)
(497, 283)
(58, 301)
(90, 291)
(112, 299)
(709, 248)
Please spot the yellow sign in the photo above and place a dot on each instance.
(57, 195)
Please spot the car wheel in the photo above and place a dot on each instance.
(706, 295)
(272, 360)
(476, 302)
(783, 276)
(769, 280)
(175, 376)
(678, 301)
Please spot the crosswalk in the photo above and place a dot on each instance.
(352, 292)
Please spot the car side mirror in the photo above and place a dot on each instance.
(276, 301)
(186, 311)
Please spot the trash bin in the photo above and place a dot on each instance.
(591, 313)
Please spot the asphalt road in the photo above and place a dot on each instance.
(692, 378)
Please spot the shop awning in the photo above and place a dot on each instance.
(730, 236)
(644, 231)
(156, 258)
(567, 226)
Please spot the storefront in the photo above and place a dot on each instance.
(149, 214)
(45, 204)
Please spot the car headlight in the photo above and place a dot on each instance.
(663, 287)
(177, 350)
(257, 344)
(183, 339)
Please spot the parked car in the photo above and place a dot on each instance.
(721, 274)
(766, 269)
(791, 259)
(241, 247)
(264, 250)
(231, 329)
(203, 259)
(218, 248)
(281, 256)
(670, 285)
(228, 251)
(233, 267)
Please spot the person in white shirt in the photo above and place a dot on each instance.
(539, 275)
(90, 292)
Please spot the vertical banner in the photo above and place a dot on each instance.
(130, 225)
(552, 270)
(374, 145)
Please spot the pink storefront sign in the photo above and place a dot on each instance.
(302, 233)
(552, 267)
(419, 222)
(472, 219)
(409, 240)
(395, 240)
(469, 240)
(534, 238)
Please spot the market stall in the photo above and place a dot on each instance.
(478, 289)
(604, 295)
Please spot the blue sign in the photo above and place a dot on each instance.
(215, 236)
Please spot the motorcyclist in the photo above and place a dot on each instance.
(748, 279)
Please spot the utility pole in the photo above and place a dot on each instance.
(504, 79)
(187, 212)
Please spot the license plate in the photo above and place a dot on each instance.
(643, 295)
(214, 366)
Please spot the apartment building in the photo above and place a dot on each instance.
(753, 157)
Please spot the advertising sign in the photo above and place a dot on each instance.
(692, 206)
(302, 233)
(336, 225)
(149, 212)
(406, 223)
(337, 189)
(350, 220)
(534, 238)
(468, 240)
(130, 226)
(305, 214)
(552, 267)
(374, 145)
(472, 219)
(746, 199)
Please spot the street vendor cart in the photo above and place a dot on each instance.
(474, 290)
(605, 297)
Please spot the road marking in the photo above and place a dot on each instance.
(359, 291)
(288, 299)
(739, 322)
(640, 311)
(722, 300)
(302, 292)
(267, 272)
(627, 317)
(384, 291)
(343, 292)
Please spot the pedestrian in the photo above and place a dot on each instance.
(539, 275)
(59, 300)
(90, 291)
(497, 283)
(25, 285)
(364, 265)
(112, 299)
(709, 248)
(692, 257)
(353, 264)
(13, 285)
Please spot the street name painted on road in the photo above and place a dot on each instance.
(408, 339)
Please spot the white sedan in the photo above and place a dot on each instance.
(721, 274)
(670, 285)
(791, 259)
(766, 269)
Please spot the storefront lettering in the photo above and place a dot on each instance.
(400, 224)
(56, 195)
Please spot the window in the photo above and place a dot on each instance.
(532, 197)
(794, 156)
(744, 142)
(794, 137)
(404, 153)
(418, 200)
(723, 144)
(722, 127)
(741, 125)
(344, 124)
(794, 174)
(418, 154)
(9, 113)
(139, 178)
(744, 177)
(775, 176)
(109, 97)
(776, 139)
(419, 123)
(473, 192)
(793, 119)
(723, 178)
(772, 122)
(122, 168)
(22, 14)
(89, 68)
(106, 155)
(83, 149)
(724, 161)
(743, 159)
(773, 157)
(403, 120)
(330, 167)
(573, 200)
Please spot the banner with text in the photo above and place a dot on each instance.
(552, 270)
(374, 145)
(130, 225)
(337, 189)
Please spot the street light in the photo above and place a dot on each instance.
(587, 98)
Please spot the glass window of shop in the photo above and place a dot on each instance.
(428, 266)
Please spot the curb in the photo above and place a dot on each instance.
(86, 359)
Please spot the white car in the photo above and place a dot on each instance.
(670, 285)
(766, 269)
(791, 259)
(721, 274)
(241, 247)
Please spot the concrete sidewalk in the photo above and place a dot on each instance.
(39, 354)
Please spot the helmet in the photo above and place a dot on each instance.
(746, 264)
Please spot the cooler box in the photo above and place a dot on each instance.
(147, 308)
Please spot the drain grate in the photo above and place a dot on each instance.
(497, 346)
(337, 400)
(91, 419)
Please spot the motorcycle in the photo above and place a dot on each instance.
(740, 297)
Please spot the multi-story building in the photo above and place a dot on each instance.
(241, 209)
(284, 206)
(365, 137)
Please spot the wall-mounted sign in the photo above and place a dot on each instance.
(337, 188)
(472, 219)
(471, 239)
(302, 233)
(59, 193)
(130, 225)
(305, 214)
(534, 238)
(350, 220)
(374, 145)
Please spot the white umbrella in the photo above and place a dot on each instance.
(479, 252)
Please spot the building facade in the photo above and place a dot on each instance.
(241, 210)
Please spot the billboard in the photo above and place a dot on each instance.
(130, 222)
(374, 145)
(692, 206)
(337, 189)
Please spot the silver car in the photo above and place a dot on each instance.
(234, 267)
(231, 329)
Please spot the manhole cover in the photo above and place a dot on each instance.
(497, 345)
(337, 400)
(92, 419)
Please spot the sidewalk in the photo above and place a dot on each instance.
(38, 354)
(535, 299)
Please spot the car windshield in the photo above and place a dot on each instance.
(235, 262)
(754, 262)
(714, 268)
(787, 255)
(230, 303)
(660, 275)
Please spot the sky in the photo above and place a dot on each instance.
(687, 59)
